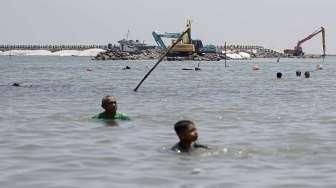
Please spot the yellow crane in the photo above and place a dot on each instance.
(185, 46)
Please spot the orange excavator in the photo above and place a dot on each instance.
(297, 51)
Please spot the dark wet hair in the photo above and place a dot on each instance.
(298, 73)
(127, 67)
(182, 125)
(279, 74)
(307, 74)
(16, 84)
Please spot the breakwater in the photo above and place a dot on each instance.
(115, 52)
(222, 52)
(50, 47)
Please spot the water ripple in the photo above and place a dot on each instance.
(257, 125)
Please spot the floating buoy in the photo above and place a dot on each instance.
(319, 67)
(255, 67)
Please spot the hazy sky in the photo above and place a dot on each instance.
(275, 24)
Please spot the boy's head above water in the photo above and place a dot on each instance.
(186, 131)
(109, 103)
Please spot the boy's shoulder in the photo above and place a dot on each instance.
(178, 147)
(118, 115)
(99, 116)
(121, 116)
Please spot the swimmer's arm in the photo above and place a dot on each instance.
(123, 116)
(196, 145)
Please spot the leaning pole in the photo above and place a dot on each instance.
(161, 58)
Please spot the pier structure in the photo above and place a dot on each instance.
(50, 47)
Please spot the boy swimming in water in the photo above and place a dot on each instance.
(109, 104)
(187, 133)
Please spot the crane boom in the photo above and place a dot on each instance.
(183, 48)
(186, 46)
(158, 38)
(298, 49)
(311, 36)
(323, 42)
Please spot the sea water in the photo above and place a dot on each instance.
(263, 131)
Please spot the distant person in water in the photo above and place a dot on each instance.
(298, 73)
(307, 74)
(279, 75)
(187, 133)
(127, 67)
(16, 84)
(109, 104)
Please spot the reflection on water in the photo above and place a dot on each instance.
(257, 126)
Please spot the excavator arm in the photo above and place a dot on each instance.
(323, 43)
(185, 40)
(158, 38)
(297, 51)
(298, 48)
(311, 36)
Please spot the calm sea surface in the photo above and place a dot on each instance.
(265, 132)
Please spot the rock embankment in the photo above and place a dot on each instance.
(154, 54)
(148, 54)
(119, 55)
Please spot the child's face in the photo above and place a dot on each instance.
(190, 134)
